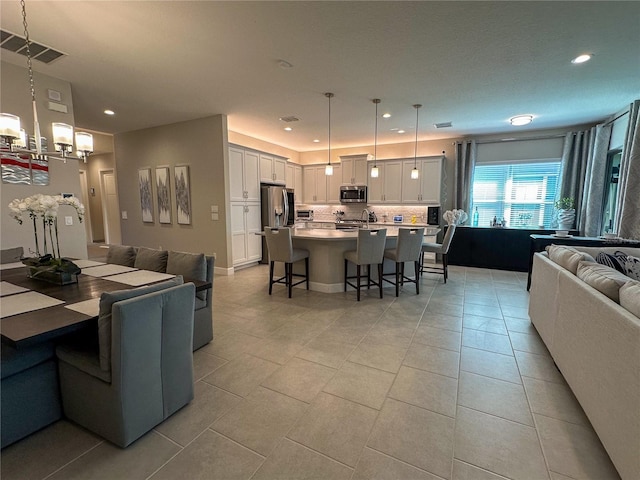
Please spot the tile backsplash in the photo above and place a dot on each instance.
(326, 213)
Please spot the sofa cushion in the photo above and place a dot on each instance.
(604, 279)
(121, 255)
(190, 265)
(11, 255)
(630, 297)
(567, 257)
(107, 299)
(151, 259)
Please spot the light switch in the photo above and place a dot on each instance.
(124, 214)
(214, 208)
(68, 220)
(215, 216)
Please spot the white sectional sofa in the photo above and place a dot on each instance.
(595, 342)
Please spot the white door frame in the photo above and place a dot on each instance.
(85, 200)
(105, 215)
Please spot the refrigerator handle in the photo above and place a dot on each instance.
(285, 202)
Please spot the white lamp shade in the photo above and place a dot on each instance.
(9, 125)
(328, 170)
(415, 173)
(21, 141)
(62, 134)
(84, 142)
(375, 172)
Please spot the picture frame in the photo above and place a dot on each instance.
(163, 194)
(183, 194)
(146, 197)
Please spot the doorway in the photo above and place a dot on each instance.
(110, 207)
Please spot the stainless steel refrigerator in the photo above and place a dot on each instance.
(277, 205)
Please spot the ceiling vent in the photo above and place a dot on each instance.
(442, 125)
(290, 119)
(16, 43)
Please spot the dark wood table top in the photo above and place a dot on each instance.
(48, 323)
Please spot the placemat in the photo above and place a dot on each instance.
(106, 270)
(7, 266)
(87, 263)
(7, 288)
(26, 302)
(140, 277)
(88, 307)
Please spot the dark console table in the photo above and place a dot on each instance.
(539, 242)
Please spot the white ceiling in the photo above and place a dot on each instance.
(474, 64)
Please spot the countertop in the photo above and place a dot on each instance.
(331, 234)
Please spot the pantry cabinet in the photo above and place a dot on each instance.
(243, 175)
(245, 223)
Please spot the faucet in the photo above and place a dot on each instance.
(365, 212)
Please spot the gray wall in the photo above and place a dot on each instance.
(16, 99)
(202, 144)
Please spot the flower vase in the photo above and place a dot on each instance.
(60, 271)
(566, 219)
(46, 275)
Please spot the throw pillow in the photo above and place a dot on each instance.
(630, 297)
(151, 259)
(121, 255)
(610, 260)
(567, 257)
(190, 265)
(107, 299)
(11, 255)
(622, 262)
(604, 279)
(631, 266)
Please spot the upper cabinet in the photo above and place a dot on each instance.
(272, 169)
(426, 188)
(320, 188)
(387, 187)
(354, 168)
(294, 181)
(244, 175)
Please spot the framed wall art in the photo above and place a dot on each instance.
(163, 191)
(146, 200)
(183, 194)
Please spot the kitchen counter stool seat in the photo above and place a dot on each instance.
(408, 249)
(281, 249)
(370, 251)
(438, 248)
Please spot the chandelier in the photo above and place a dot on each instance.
(16, 139)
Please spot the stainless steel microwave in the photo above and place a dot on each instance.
(353, 194)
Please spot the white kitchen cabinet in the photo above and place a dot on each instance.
(272, 169)
(294, 181)
(243, 175)
(425, 189)
(318, 187)
(245, 223)
(354, 169)
(387, 187)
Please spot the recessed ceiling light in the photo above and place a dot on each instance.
(109, 112)
(288, 129)
(400, 131)
(582, 58)
(521, 120)
(315, 140)
(386, 115)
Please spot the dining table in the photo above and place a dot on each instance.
(33, 311)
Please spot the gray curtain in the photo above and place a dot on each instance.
(584, 163)
(466, 152)
(627, 222)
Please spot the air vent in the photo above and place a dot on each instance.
(16, 43)
(290, 119)
(442, 125)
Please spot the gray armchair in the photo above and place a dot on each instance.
(150, 373)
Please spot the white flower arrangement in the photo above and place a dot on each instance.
(44, 207)
(455, 217)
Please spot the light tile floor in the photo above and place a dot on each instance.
(453, 383)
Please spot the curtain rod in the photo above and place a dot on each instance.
(616, 118)
(540, 137)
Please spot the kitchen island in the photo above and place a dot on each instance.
(326, 254)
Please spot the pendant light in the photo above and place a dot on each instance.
(415, 173)
(328, 170)
(375, 171)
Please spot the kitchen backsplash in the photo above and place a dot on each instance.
(326, 213)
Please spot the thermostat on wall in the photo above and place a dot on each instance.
(397, 219)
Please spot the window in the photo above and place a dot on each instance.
(521, 193)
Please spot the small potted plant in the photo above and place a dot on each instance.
(566, 212)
